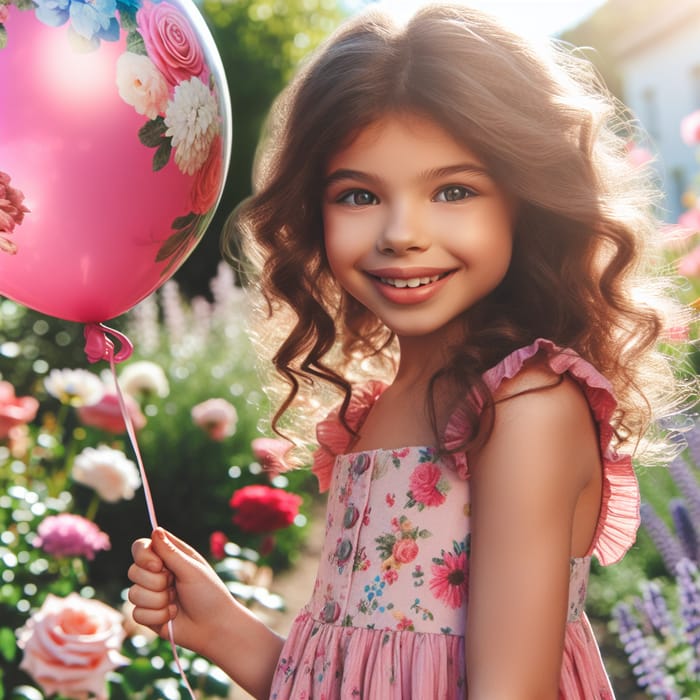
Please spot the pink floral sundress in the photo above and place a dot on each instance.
(387, 616)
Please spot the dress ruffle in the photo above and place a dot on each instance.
(619, 516)
(334, 438)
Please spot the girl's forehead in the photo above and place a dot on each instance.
(395, 131)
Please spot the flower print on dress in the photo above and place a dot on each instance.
(450, 576)
(401, 545)
(428, 486)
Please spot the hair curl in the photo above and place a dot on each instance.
(550, 135)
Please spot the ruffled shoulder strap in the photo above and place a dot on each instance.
(333, 437)
(619, 515)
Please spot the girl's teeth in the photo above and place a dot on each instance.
(411, 282)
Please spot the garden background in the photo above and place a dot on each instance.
(70, 502)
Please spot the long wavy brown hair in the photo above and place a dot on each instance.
(549, 134)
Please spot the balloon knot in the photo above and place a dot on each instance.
(99, 346)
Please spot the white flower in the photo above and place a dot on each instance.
(75, 387)
(144, 378)
(107, 471)
(141, 84)
(192, 118)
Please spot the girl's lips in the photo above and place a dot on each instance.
(411, 287)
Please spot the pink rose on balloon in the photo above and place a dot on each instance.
(170, 42)
(12, 212)
(205, 189)
(71, 644)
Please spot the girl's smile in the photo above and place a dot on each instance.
(415, 228)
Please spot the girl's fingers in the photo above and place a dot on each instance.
(144, 556)
(154, 618)
(148, 579)
(143, 599)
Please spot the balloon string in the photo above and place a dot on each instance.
(99, 346)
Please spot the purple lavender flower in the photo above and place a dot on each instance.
(685, 530)
(654, 610)
(686, 480)
(669, 547)
(644, 654)
(67, 535)
(693, 439)
(689, 596)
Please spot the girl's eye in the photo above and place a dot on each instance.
(454, 193)
(358, 198)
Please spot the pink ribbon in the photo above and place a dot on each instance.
(100, 346)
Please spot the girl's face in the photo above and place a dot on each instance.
(415, 228)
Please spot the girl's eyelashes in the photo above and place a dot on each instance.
(454, 193)
(357, 198)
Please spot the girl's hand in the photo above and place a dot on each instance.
(174, 582)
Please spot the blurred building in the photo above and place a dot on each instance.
(649, 53)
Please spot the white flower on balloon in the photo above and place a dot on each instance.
(75, 387)
(71, 644)
(109, 472)
(192, 118)
(141, 84)
(144, 378)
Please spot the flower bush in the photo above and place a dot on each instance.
(71, 500)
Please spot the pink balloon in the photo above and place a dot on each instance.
(114, 147)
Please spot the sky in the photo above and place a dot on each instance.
(537, 18)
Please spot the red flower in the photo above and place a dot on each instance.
(449, 581)
(217, 542)
(263, 508)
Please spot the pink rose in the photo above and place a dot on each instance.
(69, 535)
(12, 210)
(207, 180)
(690, 220)
(71, 644)
(106, 414)
(690, 128)
(271, 453)
(689, 265)
(4, 13)
(425, 483)
(170, 42)
(15, 410)
(405, 550)
(638, 155)
(217, 417)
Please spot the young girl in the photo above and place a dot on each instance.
(445, 202)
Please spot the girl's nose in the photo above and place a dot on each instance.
(402, 233)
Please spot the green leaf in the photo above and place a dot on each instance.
(174, 244)
(8, 644)
(135, 43)
(182, 221)
(162, 155)
(152, 132)
(3, 36)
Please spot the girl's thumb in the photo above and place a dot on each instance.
(176, 559)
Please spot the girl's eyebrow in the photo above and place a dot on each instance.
(466, 168)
